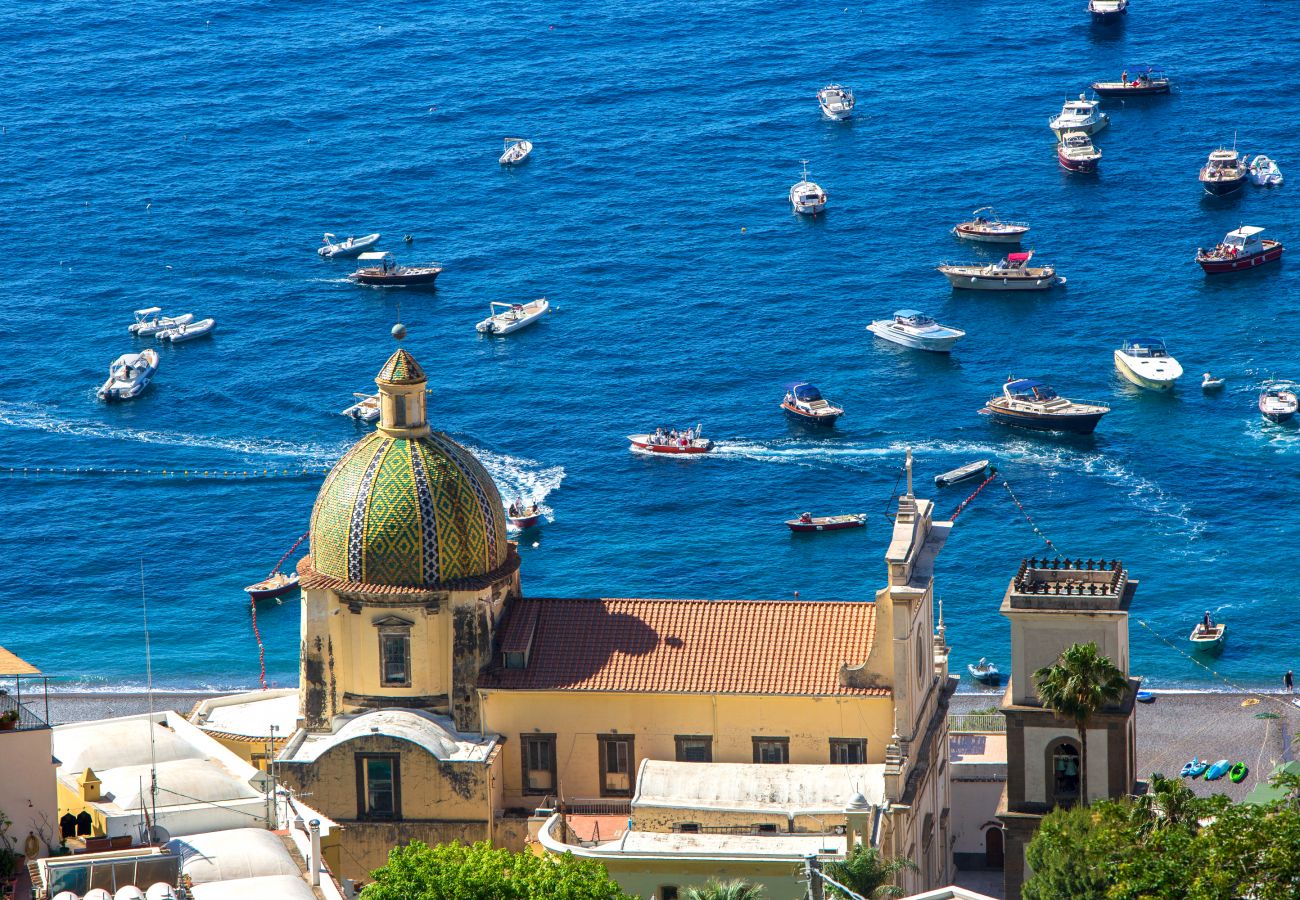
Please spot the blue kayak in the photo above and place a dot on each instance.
(1194, 769)
(1146, 697)
(1218, 770)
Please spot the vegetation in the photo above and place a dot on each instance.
(868, 873)
(460, 872)
(725, 890)
(1076, 686)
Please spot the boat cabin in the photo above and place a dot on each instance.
(1151, 348)
(807, 394)
(1076, 140)
(1244, 240)
(1018, 260)
(913, 319)
(1222, 159)
(381, 260)
(1028, 390)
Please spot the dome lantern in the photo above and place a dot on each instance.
(402, 407)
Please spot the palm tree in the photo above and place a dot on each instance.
(725, 890)
(866, 872)
(1167, 802)
(1076, 686)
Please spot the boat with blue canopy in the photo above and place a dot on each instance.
(804, 403)
(915, 329)
(1028, 403)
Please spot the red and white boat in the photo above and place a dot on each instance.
(672, 441)
(277, 584)
(523, 515)
(1076, 152)
(809, 522)
(1241, 249)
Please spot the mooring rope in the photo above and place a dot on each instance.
(289, 551)
(261, 651)
(983, 484)
(1029, 519)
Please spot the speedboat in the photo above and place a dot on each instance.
(804, 403)
(523, 515)
(1106, 10)
(366, 409)
(672, 442)
(516, 151)
(962, 473)
(1224, 173)
(188, 331)
(151, 321)
(507, 317)
(1146, 80)
(1242, 248)
(809, 522)
(1208, 638)
(836, 101)
(1264, 172)
(1147, 364)
(1076, 152)
(277, 584)
(984, 671)
(990, 229)
(1079, 115)
(917, 330)
(1026, 403)
(1277, 402)
(807, 197)
(1210, 383)
(353, 246)
(1011, 274)
(129, 375)
(380, 269)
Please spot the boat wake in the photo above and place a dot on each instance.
(519, 477)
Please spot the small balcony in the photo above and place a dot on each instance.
(22, 690)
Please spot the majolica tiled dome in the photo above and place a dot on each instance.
(407, 511)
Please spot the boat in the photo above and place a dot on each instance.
(1238, 771)
(1264, 172)
(976, 469)
(150, 321)
(354, 246)
(1218, 770)
(1076, 152)
(1146, 80)
(917, 330)
(1208, 637)
(1027, 403)
(836, 102)
(516, 151)
(672, 442)
(805, 404)
(366, 409)
(984, 671)
(129, 375)
(1210, 383)
(382, 270)
(809, 522)
(1146, 363)
(277, 584)
(188, 331)
(1277, 402)
(523, 515)
(1011, 274)
(1195, 768)
(1107, 10)
(1079, 115)
(807, 197)
(1145, 697)
(507, 317)
(1241, 249)
(990, 229)
(1224, 173)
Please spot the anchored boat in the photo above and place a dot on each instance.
(990, 229)
(516, 150)
(1078, 115)
(984, 671)
(129, 375)
(366, 409)
(1264, 172)
(836, 101)
(976, 469)
(508, 317)
(1224, 173)
(352, 247)
(1146, 363)
(1026, 403)
(1146, 80)
(1076, 153)
(188, 331)
(1242, 248)
(809, 522)
(917, 330)
(1208, 637)
(1011, 274)
(805, 404)
(151, 321)
(277, 584)
(1107, 10)
(807, 197)
(381, 269)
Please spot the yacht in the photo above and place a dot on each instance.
(1026, 403)
(129, 375)
(1264, 172)
(1011, 274)
(1079, 115)
(1107, 10)
(804, 403)
(1241, 249)
(516, 151)
(1076, 152)
(1146, 80)
(990, 229)
(836, 101)
(807, 197)
(1146, 363)
(916, 330)
(1277, 402)
(1224, 173)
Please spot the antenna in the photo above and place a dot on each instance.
(148, 668)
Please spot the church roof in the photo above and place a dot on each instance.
(401, 368)
(685, 646)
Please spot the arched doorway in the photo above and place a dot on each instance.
(993, 848)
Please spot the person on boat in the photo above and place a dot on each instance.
(1206, 623)
(806, 518)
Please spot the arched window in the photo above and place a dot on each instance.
(1065, 772)
(68, 825)
(85, 825)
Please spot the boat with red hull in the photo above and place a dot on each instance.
(809, 522)
(672, 442)
(1240, 250)
(277, 584)
(1076, 153)
(523, 516)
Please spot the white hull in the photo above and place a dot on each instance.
(986, 238)
(1152, 374)
(514, 320)
(1089, 129)
(349, 249)
(973, 281)
(835, 113)
(119, 387)
(808, 209)
(188, 332)
(881, 329)
(156, 326)
(516, 153)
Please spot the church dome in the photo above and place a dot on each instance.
(407, 506)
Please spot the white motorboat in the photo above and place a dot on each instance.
(366, 409)
(1264, 172)
(508, 317)
(1011, 274)
(188, 332)
(807, 197)
(1146, 363)
(1076, 153)
(977, 469)
(836, 101)
(352, 247)
(150, 321)
(990, 229)
(1079, 115)
(917, 330)
(516, 151)
(1278, 401)
(984, 671)
(1106, 10)
(129, 375)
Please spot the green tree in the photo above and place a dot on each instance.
(460, 872)
(1076, 686)
(866, 872)
(725, 890)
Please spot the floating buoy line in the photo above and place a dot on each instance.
(92, 471)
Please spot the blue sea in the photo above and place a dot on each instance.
(190, 156)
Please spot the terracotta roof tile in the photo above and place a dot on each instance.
(686, 646)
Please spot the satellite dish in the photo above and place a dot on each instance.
(158, 835)
(262, 782)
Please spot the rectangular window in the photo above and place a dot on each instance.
(688, 828)
(694, 748)
(399, 411)
(379, 792)
(771, 749)
(848, 751)
(616, 760)
(538, 751)
(515, 660)
(395, 658)
(766, 828)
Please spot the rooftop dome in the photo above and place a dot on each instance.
(407, 506)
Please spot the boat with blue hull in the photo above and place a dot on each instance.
(1027, 403)
(805, 404)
